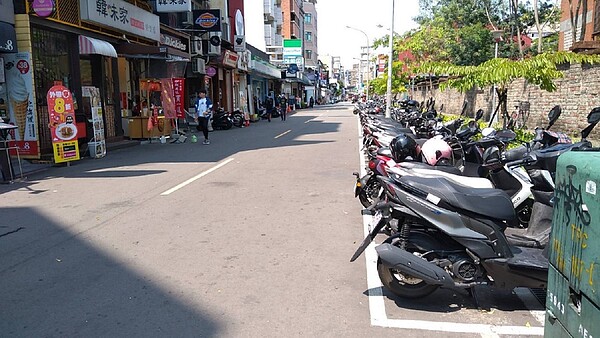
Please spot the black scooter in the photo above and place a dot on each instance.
(222, 120)
(452, 236)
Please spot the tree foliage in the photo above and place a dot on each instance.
(540, 70)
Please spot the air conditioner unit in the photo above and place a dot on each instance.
(198, 66)
(196, 46)
(188, 18)
(212, 49)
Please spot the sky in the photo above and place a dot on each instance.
(332, 18)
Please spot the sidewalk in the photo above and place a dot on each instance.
(34, 166)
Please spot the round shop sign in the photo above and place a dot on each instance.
(43, 8)
(211, 71)
(207, 20)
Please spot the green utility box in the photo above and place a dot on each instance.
(573, 301)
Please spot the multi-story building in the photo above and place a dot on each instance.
(311, 55)
(273, 25)
(588, 18)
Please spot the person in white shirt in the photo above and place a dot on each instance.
(203, 110)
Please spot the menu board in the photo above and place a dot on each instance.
(98, 144)
(62, 124)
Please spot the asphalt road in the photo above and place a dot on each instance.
(249, 236)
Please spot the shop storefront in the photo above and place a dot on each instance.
(264, 80)
(74, 43)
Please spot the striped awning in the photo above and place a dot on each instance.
(89, 45)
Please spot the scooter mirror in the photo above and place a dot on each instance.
(594, 116)
(487, 131)
(479, 115)
(553, 115)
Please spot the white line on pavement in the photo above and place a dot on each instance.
(374, 286)
(377, 304)
(200, 175)
(285, 132)
(528, 298)
(313, 119)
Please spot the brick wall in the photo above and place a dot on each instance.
(577, 93)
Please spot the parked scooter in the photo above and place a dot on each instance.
(222, 120)
(453, 236)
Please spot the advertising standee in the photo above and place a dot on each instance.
(62, 124)
(22, 111)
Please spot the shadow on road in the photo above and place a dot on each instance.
(65, 287)
(448, 301)
(225, 143)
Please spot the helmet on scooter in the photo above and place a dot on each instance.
(403, 147)
(437, 152)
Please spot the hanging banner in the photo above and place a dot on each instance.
(22, 110)
(178, 87)
(167, 98)
(62, 124)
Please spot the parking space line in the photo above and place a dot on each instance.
(285, 132)
(202, 174)
(377, 304)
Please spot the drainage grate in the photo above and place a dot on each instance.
(540, 294)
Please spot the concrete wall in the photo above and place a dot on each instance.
(577, 93)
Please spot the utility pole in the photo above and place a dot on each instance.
(388, 100)
(368, 57)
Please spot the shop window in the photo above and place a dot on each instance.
(50, 61)
(109, 84)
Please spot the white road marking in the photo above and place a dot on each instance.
(485, 330)
(528, 298)
(202, 174)
(313, 119)
(377, 304)
(285, 132)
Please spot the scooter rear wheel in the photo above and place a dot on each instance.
(402, 284)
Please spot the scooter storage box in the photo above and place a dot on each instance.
(574, 248)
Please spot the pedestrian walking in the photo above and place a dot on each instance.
(269, 107)
(203, 112)
(284, 107)
(311, 102)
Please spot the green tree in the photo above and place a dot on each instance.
(539, 70)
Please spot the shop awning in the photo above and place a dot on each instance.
(89, 45)
(132, 50)
(8, 38)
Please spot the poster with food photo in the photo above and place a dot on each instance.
(62, 124)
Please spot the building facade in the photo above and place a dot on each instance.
(311, 54)
(588, 18)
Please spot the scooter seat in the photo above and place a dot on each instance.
(384, 151)
(493, 203)
(421, 165)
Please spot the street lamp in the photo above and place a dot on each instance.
(388, 99)
(368, 56)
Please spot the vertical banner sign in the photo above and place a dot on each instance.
(22, 113)
(62, 124)
(98, 144)
(178, 85)
(167, 98)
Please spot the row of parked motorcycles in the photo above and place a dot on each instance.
(459, 208)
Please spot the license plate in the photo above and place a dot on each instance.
(376, 218)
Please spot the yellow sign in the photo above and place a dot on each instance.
(66, 151)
